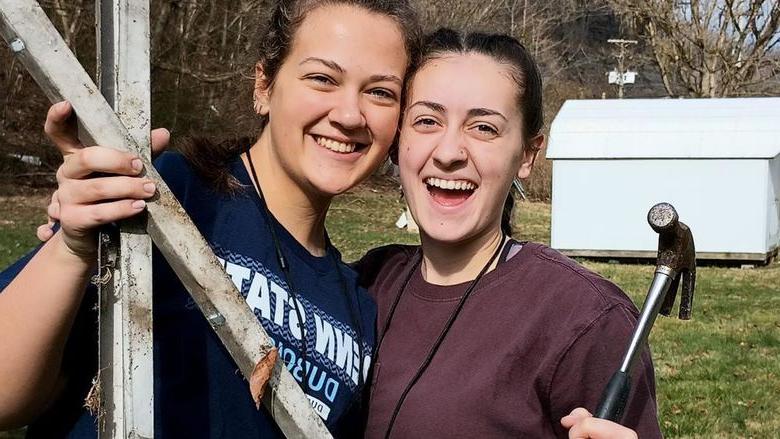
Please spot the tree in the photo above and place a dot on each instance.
(710, 48)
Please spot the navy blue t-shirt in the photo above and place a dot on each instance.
(199, 391)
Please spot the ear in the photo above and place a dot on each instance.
(262, 91)
(530, 152)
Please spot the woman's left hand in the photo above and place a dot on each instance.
(582, 425)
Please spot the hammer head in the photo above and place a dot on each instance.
(676, 255)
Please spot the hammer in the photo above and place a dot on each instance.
(676, 260)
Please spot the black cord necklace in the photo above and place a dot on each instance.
(285, 266)
(447, 326)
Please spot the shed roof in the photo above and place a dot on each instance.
(666, 128)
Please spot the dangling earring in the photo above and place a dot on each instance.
(518, 186)
(257, 105)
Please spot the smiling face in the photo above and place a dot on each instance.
(461, 145)
(334, 104)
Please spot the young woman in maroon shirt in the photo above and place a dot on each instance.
(480, 335)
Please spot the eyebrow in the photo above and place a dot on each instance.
(476, 112)
(330, 64)
(334, 66)
(439, 108)
(390, 78)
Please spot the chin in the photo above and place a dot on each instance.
(335, 178)
(449, 231)
(335, 185)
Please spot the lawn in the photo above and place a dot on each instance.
(718, 374)
(19, 216)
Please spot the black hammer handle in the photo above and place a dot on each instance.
(613, 400)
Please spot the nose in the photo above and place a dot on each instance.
(347, 112)
(451, 150)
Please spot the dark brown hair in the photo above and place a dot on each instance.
(520, 64)
(210, 159)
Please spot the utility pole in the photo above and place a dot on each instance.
(620, 76)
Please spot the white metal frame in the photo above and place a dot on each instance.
(126, 348)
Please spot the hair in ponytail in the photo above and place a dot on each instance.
(211, 159)
(506, 214)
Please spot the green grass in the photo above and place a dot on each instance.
(718, 375)
(19, 217)
(365, 218)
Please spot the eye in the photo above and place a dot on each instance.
(486, 130)
(321, 79)
(425, 123)
(382, 93)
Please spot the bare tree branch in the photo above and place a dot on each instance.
(710, 48)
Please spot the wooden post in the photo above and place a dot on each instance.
(125, 330)
(36, 43)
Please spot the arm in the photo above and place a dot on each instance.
(588, 364)
(36, 313)
(39, 305)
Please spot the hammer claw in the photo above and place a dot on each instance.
(686, 296)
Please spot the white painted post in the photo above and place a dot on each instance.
(126, 350)
(38, 45)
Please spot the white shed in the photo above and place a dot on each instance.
(716, 160)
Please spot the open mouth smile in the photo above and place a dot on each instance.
(338, 146)
(450, 192)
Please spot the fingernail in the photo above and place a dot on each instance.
(137, 165)
(150, 187)
(138, 204)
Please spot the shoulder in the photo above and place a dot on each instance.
(187, 184)
(171, 163)
(381, 262)
(176, 171)
(569, 284)
(352, 278)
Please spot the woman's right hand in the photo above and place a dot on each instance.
(582, 425)
(96, 185)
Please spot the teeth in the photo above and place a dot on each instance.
(451, 184)
(335, 145)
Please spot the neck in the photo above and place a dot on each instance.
(301, 214)
(453, 263)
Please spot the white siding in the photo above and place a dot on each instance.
(773, 204)
(603, 204)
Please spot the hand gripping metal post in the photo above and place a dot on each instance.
(676, 261)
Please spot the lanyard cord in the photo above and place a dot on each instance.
(354, 314)
(442, 335)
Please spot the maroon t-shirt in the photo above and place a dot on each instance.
(539, 336)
